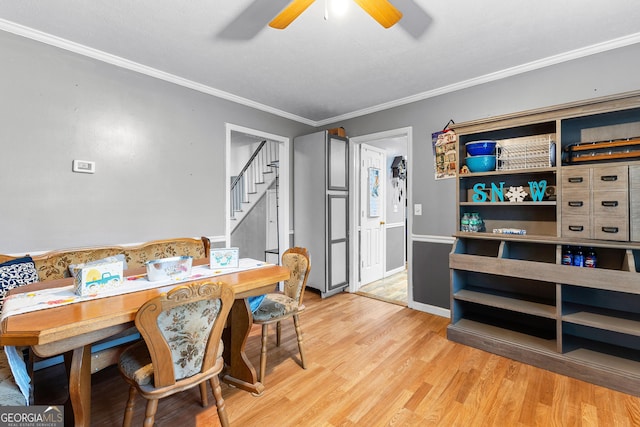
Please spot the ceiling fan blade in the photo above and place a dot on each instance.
(252, 20)
(381, 10)
(289, 13)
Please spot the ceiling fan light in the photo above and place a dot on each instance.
(339, 8)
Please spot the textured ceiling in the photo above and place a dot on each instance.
(318, 71)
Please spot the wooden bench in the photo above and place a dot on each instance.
(55, 264)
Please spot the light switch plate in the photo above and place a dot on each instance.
(417, 209)
(84, 166)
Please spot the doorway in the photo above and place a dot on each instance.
(238, 135)
(397, 224)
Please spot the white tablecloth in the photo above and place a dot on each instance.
(49, 298)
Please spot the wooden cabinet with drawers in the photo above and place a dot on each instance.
(595, 202)
(511, 294)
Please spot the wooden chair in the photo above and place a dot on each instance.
(182, 346)
(279, 306)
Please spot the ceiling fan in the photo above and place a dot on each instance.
(381, 10)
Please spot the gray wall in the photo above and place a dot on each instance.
(395, 248)
(251, 234)
(158, 148)
(593, 76)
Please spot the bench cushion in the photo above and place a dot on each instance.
(137, 256)
(55, 265)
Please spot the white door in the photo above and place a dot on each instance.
(372, 213)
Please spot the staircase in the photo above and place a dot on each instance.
(258, 174)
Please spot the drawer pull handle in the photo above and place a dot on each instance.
(576, 227)
(610, 229)
(609, 177)
(610, 204)
(575, 204)
(575, 179)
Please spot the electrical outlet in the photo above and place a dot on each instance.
(417, 209)
(84, 166)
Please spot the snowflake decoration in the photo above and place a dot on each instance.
(516, 194)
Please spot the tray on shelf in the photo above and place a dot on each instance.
(529, 152)
(602, 150)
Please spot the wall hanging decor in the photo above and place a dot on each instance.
(444, 153)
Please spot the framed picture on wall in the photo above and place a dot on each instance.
(374, 192)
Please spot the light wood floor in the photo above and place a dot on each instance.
(371, 363)
(391, 289)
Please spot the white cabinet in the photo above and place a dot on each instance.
(320, 208)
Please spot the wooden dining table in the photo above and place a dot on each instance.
(73, 328)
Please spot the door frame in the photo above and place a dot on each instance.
(354, 179)
(283, 185)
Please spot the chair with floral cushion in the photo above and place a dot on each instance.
(182, 346)
(279, 306)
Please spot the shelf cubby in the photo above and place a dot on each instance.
(603, 339)
(523, 323)
(529, 251)
(487, 248)
(506, 301)
(610, 320)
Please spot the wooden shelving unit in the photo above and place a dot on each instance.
(511, 295)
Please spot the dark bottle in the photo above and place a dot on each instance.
(567, 256)
(590, 260)
(578, 258)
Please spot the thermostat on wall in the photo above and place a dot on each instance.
(84, 166)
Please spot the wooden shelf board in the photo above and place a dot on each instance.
(507, 303)
(509, 172)
(611, 280)
(533, 238)
(514, 204)
(602, 321)
(507, 335)
(538, 238)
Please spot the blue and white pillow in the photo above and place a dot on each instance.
(16, 273)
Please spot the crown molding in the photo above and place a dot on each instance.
(61, 43)
(491, 77)
(65, 44)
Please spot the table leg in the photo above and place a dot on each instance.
(240, 371)
(79, 414)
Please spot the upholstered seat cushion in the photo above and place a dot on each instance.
(135, 363)
(10, 394)
(275, 305)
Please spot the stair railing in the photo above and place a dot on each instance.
(251, 174)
